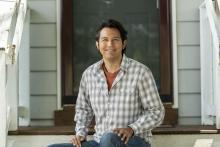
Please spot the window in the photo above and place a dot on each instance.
(149, 39)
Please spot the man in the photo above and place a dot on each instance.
(120, 92)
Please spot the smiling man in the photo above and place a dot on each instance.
(120, 93)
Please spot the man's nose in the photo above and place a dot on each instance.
(110, 42)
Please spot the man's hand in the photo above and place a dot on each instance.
(76, 140)
(124, 133)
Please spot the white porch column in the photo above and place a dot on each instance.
(210, 63)
(24, 75)
(206, 61)
(3, 112)
(7, 9)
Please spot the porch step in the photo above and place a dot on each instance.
(10, 143)
(69, 130)
(203, 143)
(65, 117)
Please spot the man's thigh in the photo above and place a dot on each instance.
(112, 140)
(136, 141)
(90, 143)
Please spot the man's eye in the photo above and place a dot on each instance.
(104, 40)
(116, 39)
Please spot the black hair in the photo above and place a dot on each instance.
(111, 23)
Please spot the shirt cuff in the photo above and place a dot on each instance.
(81, 133)
(134, 127)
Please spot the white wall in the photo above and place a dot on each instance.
(43, 68)
(189, 61)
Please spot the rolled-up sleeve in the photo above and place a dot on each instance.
(153, 109)
(84, 112)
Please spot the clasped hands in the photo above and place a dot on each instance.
(124, 133)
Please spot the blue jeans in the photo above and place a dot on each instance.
(109, 140)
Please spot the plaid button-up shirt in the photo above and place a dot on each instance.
(132, 101)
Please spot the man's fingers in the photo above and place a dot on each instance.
(76, 140)
(123, 137)
(127, 139)
(124, 133)
(80, 139)
(118, 132)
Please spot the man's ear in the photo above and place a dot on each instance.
(97, 44)
(124, 44)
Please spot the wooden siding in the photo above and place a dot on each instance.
(43, 48)
(43, 59)
(43, 83)
(42, 106)
(186, 60)
(188, 47)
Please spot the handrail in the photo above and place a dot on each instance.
(11, 28)
(12, 17)
(22, 9)
(214, 21)
(218, 3)
(6, 13)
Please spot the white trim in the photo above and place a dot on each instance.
(210, 76)
(12, 94)
(24, 75)
(3, 101)
(58, 54)
(206, 62)
(21, 13)
(12, 89)
(174, 55)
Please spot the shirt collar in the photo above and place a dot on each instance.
(124, 63)
(123, 66)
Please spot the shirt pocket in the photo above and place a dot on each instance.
(128, 95)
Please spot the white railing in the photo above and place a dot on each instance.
(210, 62)
(12, 15)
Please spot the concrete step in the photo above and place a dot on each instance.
(10, 143)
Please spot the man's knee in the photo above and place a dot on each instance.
(61, 145)
(110, 138)
(53, 145)
(137, 141)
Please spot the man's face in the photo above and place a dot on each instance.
(110, 44)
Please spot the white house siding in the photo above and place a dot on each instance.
(43, 68)
(189, 61)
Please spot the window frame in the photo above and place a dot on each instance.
(166, 78)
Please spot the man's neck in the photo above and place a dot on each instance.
(112, 66)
